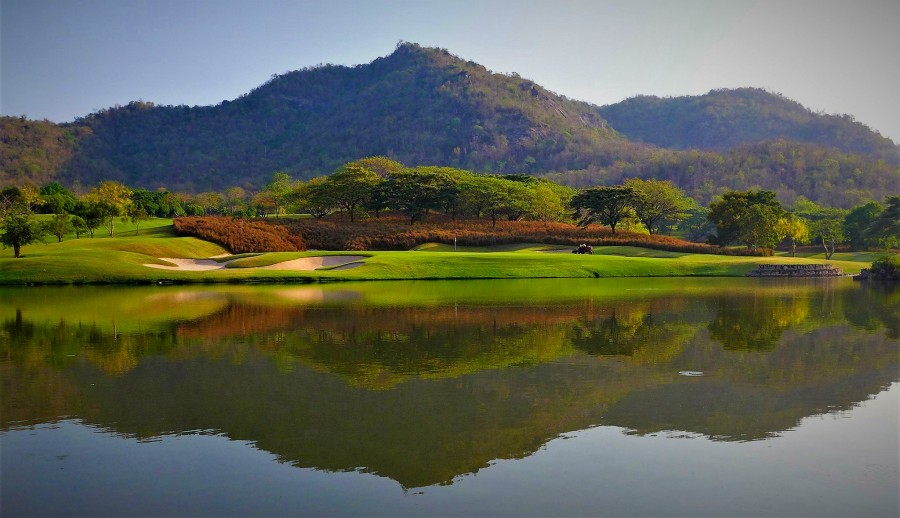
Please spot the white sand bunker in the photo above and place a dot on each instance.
(312, 263)
(193, 265)
(343, 262)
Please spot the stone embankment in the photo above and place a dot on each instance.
(796, 270)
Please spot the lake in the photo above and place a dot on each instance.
(624, 397)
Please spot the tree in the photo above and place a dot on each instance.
(485, 194)
(517, 200)
(731, 216)
(137, 214)
(56, 199)
(828, 228)
(279, 191)
(31, 196)
(825, 224)
(759, 227)
(351, 187)
(234, 198)
(148, 200)
(59, 225)
(20, 230)
(112, 199)
(545, 203)
(795, 229)
(886, 227)
(211, 202)
(857, 223)
(90, 214)
(263, 202)
(378, 199)
(171, 204)
(12, 203)
(79, 226)
(418, 191)
(380, 165)
(658, 202)
(696, 226)
(315, 197)
(606, 205)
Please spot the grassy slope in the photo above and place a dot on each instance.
(121, 259)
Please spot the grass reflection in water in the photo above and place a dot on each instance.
(422, 382)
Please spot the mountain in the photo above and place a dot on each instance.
(724, 119)
(33, 150)
(417, 105)
(425, 106)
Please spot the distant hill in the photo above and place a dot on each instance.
(417, 105)
(33, 151)
(724, 119)
(425, 106)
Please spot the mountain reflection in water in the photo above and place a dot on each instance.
(423, 382)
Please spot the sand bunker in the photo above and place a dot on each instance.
(312, 263)
(192, 265)
(303, 264)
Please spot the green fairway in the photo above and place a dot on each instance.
(121, 259)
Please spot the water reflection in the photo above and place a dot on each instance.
(422, 382)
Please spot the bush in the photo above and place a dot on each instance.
(240, 236)
(886, 268)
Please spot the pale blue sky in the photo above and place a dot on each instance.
(63, 59)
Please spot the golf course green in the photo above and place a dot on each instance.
(141, 258)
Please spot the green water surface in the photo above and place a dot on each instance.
(386, 398)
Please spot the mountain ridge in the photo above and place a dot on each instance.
(420, 106)
(724, 118)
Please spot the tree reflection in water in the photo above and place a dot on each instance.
(423, 392)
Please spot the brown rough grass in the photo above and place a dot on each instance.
(393, 232)
(240, 236)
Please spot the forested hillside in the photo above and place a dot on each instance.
(822, 174)
(724, 119)
(424, 106)
(34, 151)
(419, 106)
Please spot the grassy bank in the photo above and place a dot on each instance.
(121, 259)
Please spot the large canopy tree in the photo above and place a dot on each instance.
(886, 227)
(111, 199)
(20, 230)
(418, 191)
(352, 187)
(315, 197)
(277, 192)
(605, 205)
(658, 202)
(857, 223)
(795, 229)
(736, 223)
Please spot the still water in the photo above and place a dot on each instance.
(732, 397)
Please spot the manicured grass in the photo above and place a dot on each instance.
(517, 247)
(866, 257)
(502, 265)
(121, 260)
(153, 226)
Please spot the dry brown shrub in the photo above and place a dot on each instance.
(393, 232)
(240, 236)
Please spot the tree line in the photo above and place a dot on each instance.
(371, 186)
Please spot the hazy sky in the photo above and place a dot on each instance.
(66, 58)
